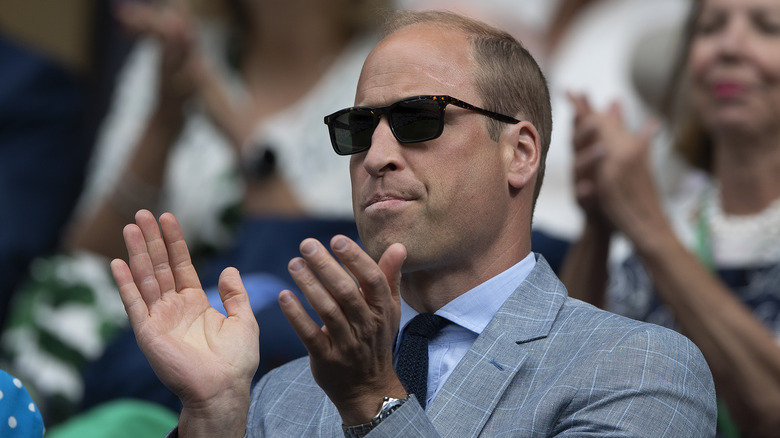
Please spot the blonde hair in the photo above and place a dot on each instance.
(691, 139)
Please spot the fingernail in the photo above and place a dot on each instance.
(284, 297)
(308, 248)
(296, 265)
(339, 244)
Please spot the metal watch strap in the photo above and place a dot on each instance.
(358, 431)
(388, 406)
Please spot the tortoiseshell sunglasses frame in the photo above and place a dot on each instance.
(377, 112)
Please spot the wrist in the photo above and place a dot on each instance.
(363, 405)
(598, 228)
(192, 425)
(225, 416)
(655, 243)
(169, 115)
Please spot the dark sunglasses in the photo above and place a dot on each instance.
(412, 120)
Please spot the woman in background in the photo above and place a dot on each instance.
(707, 260)
(232, 133)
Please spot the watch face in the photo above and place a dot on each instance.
(390, 405)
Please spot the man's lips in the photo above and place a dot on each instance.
(382, 199)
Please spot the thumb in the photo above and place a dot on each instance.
(390, 263)
(233, 294)
(580, 103)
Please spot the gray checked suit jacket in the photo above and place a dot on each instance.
(546, 365)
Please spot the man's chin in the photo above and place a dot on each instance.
(376, 243)
(375, 248)
(377, 237)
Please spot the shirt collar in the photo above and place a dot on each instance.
(474, 309)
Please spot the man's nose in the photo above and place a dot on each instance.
(385, 153)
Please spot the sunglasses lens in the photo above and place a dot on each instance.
(417, 120)
(412, 121)
(352, 131)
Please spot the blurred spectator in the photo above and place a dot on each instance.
(55, 81)
(218, 118)
(58, 63)
(591, 48)
(232, 135)
(706, 257)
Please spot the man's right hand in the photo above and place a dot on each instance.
(205, 358)
(359, 302)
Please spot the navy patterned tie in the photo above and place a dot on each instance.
(412, 365)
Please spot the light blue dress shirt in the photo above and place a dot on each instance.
(469, 313)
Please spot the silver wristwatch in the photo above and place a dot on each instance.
(389, 405)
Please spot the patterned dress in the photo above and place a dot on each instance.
(743, 251)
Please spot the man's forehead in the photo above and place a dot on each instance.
(418, 59)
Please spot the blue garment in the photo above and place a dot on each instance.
(262, 289)
(553, 248)
(43, 157)
(632, 293)
(470, 313)
(19, 417)
(49, 117)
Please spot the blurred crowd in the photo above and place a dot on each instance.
(661, 199)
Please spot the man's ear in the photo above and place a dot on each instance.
(524, 154)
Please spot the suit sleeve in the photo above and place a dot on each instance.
(653, 383)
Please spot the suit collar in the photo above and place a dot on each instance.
(466, 400)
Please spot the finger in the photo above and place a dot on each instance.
(234, 296)
(141, 264)
(587, 131)
(617, 137)
(138, 18)
(176, 37)
(649, 129)
(374, 282)
(586, 159)
(615, 111)
(584, 190)
(135, 307)
(390, 263)
(165, 24)
(155, 246)
(184, 274)
(312, 336)
(327, 286)
(177, 27)
(582, 106)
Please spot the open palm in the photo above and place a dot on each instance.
(201, 355)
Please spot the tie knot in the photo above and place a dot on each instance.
(426, 325)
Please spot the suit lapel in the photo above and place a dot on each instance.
(468, 398)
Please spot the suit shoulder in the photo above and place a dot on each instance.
(582, 318)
